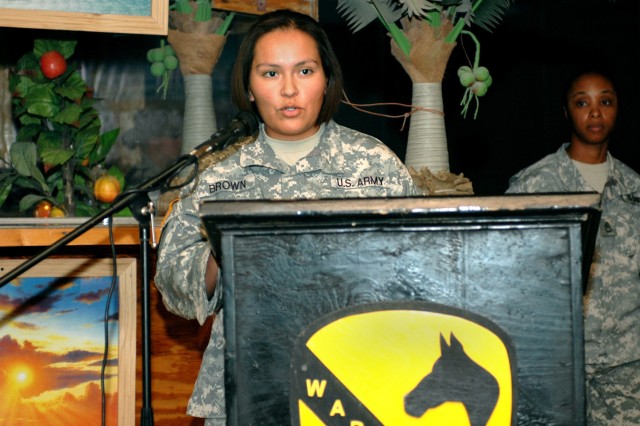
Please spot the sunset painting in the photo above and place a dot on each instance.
(52, 344)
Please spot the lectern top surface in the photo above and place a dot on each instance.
(401, 206)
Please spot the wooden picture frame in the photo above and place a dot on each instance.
(118, 20)
(52, 341)
(258, 7)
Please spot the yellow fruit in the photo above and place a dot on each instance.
(57, 212)
(106, 188)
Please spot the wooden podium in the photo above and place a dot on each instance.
(518, 261)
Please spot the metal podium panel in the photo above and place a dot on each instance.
(516, 260)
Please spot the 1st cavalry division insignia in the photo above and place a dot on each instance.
(403, 363)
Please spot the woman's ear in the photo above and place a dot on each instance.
(251, 98)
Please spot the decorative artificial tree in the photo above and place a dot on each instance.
(58, 161)
(423, 46)
(197, 35)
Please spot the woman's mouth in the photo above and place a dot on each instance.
(290, 111)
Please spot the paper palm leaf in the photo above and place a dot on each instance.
(489, 13)
(360, 13)
(418, 7)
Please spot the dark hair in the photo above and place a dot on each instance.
(282, 19)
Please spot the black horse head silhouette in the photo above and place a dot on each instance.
(455, 378)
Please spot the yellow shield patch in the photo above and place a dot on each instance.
(403, 363)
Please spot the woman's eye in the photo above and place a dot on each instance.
(607, 102)
(581, 103)
(306, 71)
(270, 74)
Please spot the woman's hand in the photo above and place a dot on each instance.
(211, 276)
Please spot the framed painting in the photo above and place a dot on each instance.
(112, 16)
(68, 343)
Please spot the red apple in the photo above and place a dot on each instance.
(52, 64)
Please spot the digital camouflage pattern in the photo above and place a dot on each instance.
(345, 164)
(612, 300)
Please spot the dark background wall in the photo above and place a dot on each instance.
(530, 54)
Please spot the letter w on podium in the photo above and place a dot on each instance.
(403, 363)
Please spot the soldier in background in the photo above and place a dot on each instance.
(612, 299)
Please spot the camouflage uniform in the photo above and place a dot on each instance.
(345, 164)
(612, 300)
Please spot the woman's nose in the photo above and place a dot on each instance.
(289, 87)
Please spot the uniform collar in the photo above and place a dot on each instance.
(327, 156)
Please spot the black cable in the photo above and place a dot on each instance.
(106, 320)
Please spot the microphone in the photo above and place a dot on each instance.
(245, 124)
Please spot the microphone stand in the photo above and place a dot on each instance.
(142, 208)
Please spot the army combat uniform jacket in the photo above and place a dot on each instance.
(612, 301)
(344, 164)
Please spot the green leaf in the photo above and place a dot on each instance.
(115, 171)
(28, 133)
(22, 86)
(222, 29)
(89, 118)
(105, 143)
(182, 6)
(39, 177)
(434, 18)
(401, 40)
(489, 13)
(26, 120)
(83, 209)
(24, 157)
(28, 62)
(49, 139)
(59, 198)
(65, 47)
(84, 147)
(8, 173)
(85, 172)
(42, 101)
(87, 103)
(80, 180)
(6, 184)
(110, 136)
(82, 185)
(86, 141)
(69, 115)
(31, 200)
(73, 87)
(28, 183)
(203, 11)
(54, 179)
(18, 108)
(360, 13)
(56, 156)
